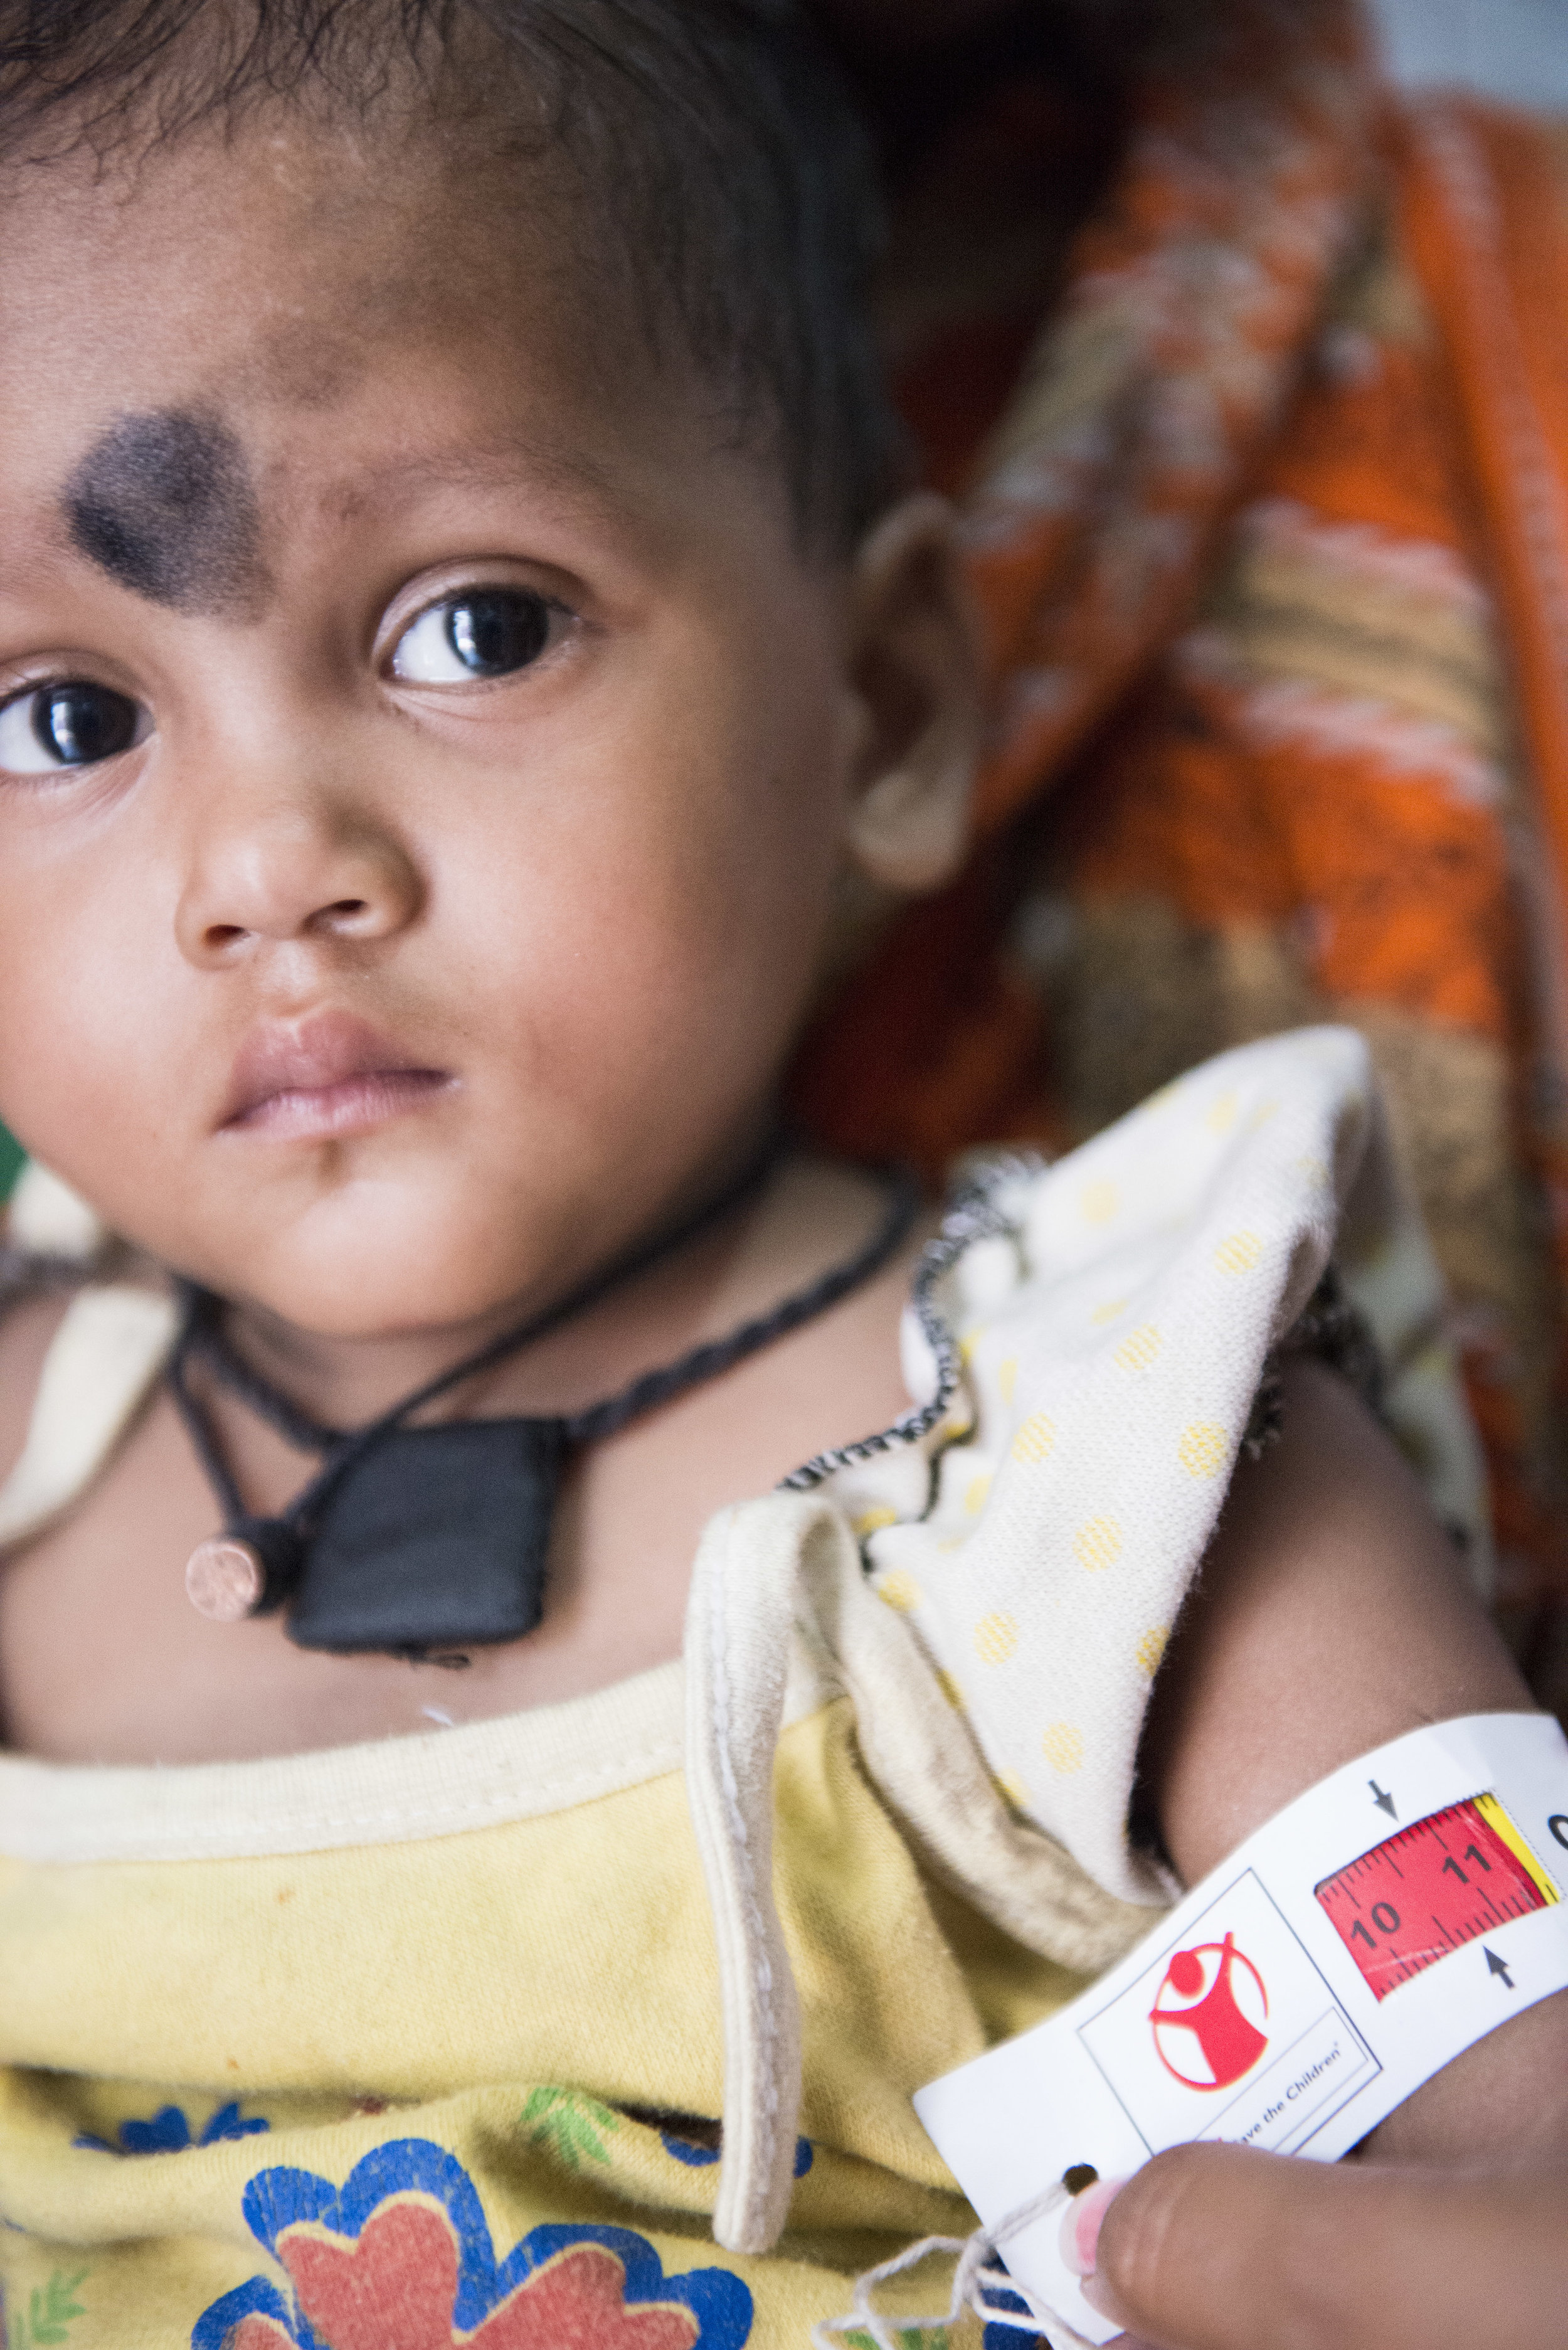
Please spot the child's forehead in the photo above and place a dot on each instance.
(295, 259)
(291, 294)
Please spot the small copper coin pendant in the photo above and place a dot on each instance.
(224, 1579)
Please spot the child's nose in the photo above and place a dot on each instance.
(293, 877)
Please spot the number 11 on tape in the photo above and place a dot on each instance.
(1387, 1919)
(1415, 1896)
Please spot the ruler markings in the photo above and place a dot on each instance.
(1472, 1851)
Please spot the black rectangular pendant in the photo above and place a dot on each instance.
(438, 1539)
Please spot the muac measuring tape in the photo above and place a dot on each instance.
(1387, 1919)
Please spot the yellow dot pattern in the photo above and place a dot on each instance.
(1097, 1543)
(1139, 1348)
(1240, 1253)
(1151, 1649)
(1203, 1448)
(871, 1521)
(996, 1638)
(1035, 1441)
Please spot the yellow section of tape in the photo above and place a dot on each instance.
(1497, 1820)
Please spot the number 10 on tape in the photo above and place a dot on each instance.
(1417, 1896)
(1389, 1918)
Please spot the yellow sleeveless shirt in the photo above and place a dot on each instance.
(596, 2028)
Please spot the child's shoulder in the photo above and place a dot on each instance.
(84, 1330)
(28, 1327)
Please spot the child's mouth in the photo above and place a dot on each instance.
(329, 1075)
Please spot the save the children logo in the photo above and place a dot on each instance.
(1212, 2032)
(1207, 2016)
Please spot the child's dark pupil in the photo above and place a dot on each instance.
(504, 628)
(78, 723)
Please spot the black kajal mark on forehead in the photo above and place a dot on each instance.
(163, 503)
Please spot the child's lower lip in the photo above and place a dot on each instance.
(352, 1105)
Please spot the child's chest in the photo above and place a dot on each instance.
(103, 1658)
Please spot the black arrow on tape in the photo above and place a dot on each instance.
(1383, 1803)
(1497, 1967)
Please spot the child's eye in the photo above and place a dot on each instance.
(71, 722)
(484, 632)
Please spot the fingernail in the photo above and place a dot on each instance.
(1081, 2224)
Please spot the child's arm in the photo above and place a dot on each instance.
(1332, 1615)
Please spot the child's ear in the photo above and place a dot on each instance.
(914, 674)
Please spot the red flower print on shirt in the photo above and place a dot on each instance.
(399, 2258)
(394, 2290)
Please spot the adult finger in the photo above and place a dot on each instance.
(1220, 2247)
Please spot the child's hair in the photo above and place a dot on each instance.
(732, 195)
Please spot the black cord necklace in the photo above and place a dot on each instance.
(427, 1541)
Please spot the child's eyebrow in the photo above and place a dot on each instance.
(570, 477)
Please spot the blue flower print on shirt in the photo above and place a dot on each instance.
(698, 2157)
(1010, 2337)
(402, 2251)
(169, 2132)
(999, 2335)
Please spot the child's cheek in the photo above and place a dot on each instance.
(96, 1060)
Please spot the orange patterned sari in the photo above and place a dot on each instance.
(1270, 536)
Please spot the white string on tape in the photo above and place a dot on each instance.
(976, 2279)
(1389, 1918)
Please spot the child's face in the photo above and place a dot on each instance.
(481, 750)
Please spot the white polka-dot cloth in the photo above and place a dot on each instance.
(1112, 1349)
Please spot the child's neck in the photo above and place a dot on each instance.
(151, 1679)
(779, 1234)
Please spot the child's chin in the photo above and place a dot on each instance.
(388, 1268)
(357, 1299)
